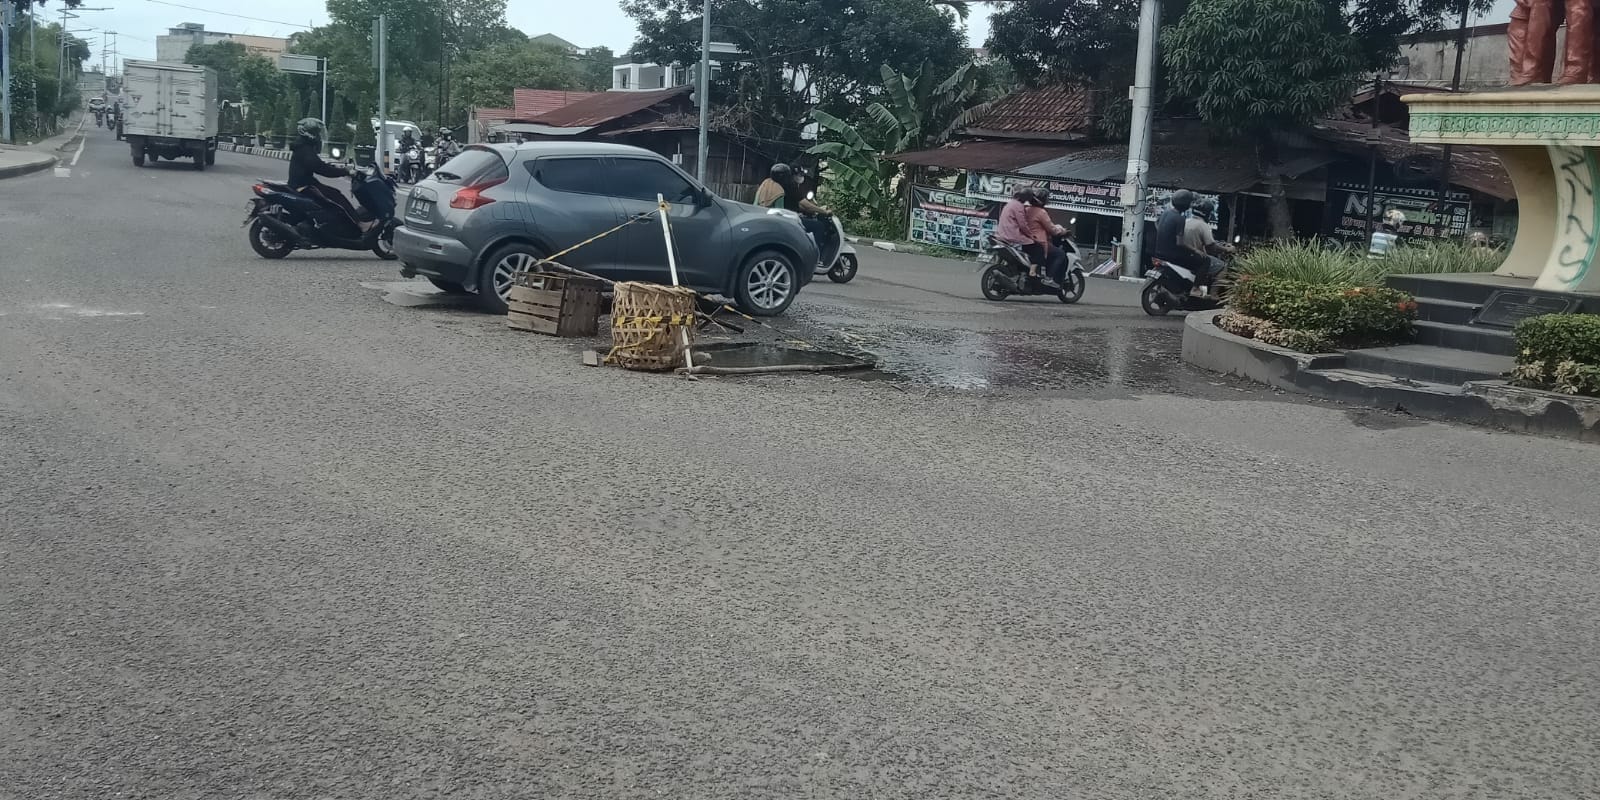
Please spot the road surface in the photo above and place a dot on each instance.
(267, 535)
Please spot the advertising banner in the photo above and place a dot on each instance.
(1425, 219)
(949, 219)
(1104, 199)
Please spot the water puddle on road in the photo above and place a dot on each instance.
(756, 357)
(418, 294)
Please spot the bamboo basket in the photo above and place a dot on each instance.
(646, 320)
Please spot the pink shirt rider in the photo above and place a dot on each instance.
(1013, 227)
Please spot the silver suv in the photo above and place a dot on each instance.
(495, 210)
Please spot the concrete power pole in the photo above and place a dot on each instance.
(5, 67)
(705, 93)
(1136, 187)
(383, 93)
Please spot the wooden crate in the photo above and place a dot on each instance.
(559, 305)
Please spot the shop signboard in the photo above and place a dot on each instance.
(1425, 218)
(949, 219)
(1103, 198)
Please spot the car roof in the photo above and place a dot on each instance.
(536, 149)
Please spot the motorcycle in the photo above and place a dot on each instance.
(1006, 272)
(1167, 288)
(430, 163)
(839, 262)
(410, 168)
(282, 220)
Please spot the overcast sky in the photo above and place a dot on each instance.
(587, 24)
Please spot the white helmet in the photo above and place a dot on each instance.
(1394, 217)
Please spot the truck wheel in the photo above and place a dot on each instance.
(138, 157)
(211, 158)
(200, 161)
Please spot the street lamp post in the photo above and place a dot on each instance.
(705, 93)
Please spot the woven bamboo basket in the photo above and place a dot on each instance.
(646, 320)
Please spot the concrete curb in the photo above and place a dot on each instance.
(39, 164)
(1489, 403)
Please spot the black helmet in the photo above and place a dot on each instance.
(1205, 207)
(781, 173)
(1039, 196)
(310, 130)
(1182, 199)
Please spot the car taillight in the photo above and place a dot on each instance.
(472, 196)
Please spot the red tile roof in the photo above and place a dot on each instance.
(495, 113)
(530, 103)
(1057, 113)
(604, 107)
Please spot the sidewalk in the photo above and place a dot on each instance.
(17, 160)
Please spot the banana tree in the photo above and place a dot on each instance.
(915, 112)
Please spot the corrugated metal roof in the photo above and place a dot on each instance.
(606, 107)
(1191, 166)
(1476, 168)
(983, 155)
(530, 103)
(1057, 112)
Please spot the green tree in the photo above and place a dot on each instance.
(225, 58)
(491, 74)
(1253, 67)
(594, 69)
(916, 111)
(800, 54)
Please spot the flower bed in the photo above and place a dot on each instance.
(1560, 353)
(1317, 317)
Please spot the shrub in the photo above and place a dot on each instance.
(1307, 262)
(1421, 258)
(1310, 313)
(1560, 352)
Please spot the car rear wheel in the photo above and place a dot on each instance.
(767, 284)
(500, 270)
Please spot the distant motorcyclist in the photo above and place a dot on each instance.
(446, 146)
(408, 139)
(1041, 229)
(305, 163)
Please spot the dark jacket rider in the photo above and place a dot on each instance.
(305, 163)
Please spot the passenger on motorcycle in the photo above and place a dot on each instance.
(446, 146)
(1041, 229)
(305, 163)
(1013, 227)
(782, 189)
(1198, 237)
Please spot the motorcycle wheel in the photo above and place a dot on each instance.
(1072, 292)
(1155, 300)
(994, 284)
(266, 242)
(844, 270)
(384, 247)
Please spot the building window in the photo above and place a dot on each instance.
(622, 79)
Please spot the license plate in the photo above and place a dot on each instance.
(250, 207)
(419, 207)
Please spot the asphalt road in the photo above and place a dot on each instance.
(266, 535)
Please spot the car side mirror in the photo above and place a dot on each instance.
(702, 197)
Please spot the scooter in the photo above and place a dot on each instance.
(283, 220)
(410, 166)
(843, 267)
(1007, 267)
(1167, 288)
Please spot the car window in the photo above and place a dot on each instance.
(643, 179)
(579, 175)
(473, 166)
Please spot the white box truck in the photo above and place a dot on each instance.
(171, 111)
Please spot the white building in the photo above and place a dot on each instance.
(175, 43)
(629, 74)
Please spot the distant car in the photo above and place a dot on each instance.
(495, 210)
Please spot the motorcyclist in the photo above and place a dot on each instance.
(305, 163)
(1198, 237)
(783, 189)
(770, 194)
(1170, 226)
(1387, 236)
(1041, 228)
(445, 145)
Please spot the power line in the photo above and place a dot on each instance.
(226, 14)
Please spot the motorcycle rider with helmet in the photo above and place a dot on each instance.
(783, 189)
(305, 163)
(1198, 238)
(1170, 226)
(445, 145)
(1041, 229)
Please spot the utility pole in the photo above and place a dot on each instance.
(6, 9)
(1372, 156)
(1135, 189)
(1455, 86)
(705, 92)
(383, 93)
